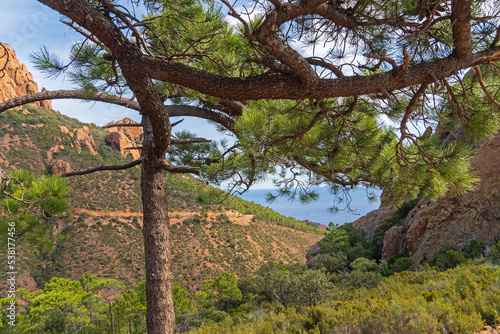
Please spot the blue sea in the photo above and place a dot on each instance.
(317, 211)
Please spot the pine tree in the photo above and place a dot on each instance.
(303, 85)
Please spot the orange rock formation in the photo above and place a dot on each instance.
(15, 80)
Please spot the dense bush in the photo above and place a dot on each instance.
(460, 300)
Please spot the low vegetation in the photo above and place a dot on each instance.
(280, 298)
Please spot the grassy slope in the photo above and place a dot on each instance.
(103, 235)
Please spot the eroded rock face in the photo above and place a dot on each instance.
(85, 140)
(15, 80)
(60, 167)
(367, 224)
(135, 133)
(452, 220)
(119, 141)
(394, 242)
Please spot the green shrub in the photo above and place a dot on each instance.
(495, 253)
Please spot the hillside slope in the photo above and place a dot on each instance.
(102, 234)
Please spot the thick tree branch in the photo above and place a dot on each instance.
(236, 107)
(291, 87)
(267, 35)
(173, 110)
(69, 94)
(101, 168)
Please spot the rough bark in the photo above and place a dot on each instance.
(156, 229)
(160, 315)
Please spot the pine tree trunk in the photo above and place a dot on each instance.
(159, 283)
(112, 320)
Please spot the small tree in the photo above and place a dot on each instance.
(32, 204)
(223, 292)
(335, 241)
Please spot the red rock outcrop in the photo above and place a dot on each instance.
(452, 220)
(134, 133)
(85, 140)
(490, 330)
(60, 167)
(53, 150)
(119, 141)
(15, 80)
(367, 224)
(394, 242)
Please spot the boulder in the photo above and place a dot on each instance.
(60, 167)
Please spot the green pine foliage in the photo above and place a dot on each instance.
(32, 204)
